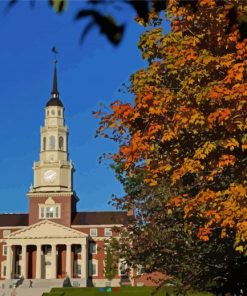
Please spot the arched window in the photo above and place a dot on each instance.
(60, 143)
(47, 112)
(59, 112)
(52, 112)
(52, 143)
(44, 143)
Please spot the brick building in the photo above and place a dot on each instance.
(54, 239)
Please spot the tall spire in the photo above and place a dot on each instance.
(54, 89)
(54, 101)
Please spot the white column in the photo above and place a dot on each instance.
(24, 261)
(9, 262)
(84, 262)
(38, 261)
(68, 260)
(53, 261)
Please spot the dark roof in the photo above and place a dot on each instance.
(80, 218)
(54, 100)
(97, 218)
(13, 220)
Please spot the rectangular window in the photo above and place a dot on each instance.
(57, 212)
(108, 232)
(42, 212)
(77, 267)
(6, 232)
(4, 270)
(92, 267)
(93, 231)
(92, 248)
(4, 250)
(49, 212)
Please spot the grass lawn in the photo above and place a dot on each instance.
(123, 291)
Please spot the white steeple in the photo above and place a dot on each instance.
(54, 171)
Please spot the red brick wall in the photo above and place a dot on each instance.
(2, 257)
(100, 255)
(152, 279)
(61, 263)
(65, 202)
(31, 262)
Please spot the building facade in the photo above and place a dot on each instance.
(53, 239)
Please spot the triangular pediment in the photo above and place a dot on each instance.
(46, 229)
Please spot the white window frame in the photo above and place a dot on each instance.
(77, 262)
(5, 250)
(6, 232)
(90, 268)
(107, 232)
(93, 232)
(44, 209)
(90, 250)
(4, 270)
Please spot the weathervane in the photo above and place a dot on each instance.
(55, 51)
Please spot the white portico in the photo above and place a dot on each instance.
(47, 250)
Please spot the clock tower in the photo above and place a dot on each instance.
(53, 173)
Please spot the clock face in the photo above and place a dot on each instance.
(50, 176)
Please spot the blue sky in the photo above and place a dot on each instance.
(87, 75)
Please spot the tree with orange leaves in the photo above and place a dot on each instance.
(187, 126)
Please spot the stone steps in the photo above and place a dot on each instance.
(24, 291)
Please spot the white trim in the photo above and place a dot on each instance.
(97, 226)
(78, 263)
(46, 206)
(12, 227)
(3, 250)
(52, 194)
(34, 232)
(110, 231)
(8, 231)
(90, 263)
(3, 264)
(91, 230)
(96, 251)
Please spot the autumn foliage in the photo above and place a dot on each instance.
(188, 121)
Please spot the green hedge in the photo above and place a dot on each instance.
(123, 291)
(53, 294)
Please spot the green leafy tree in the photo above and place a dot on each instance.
(111, 264)
(182, 144)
